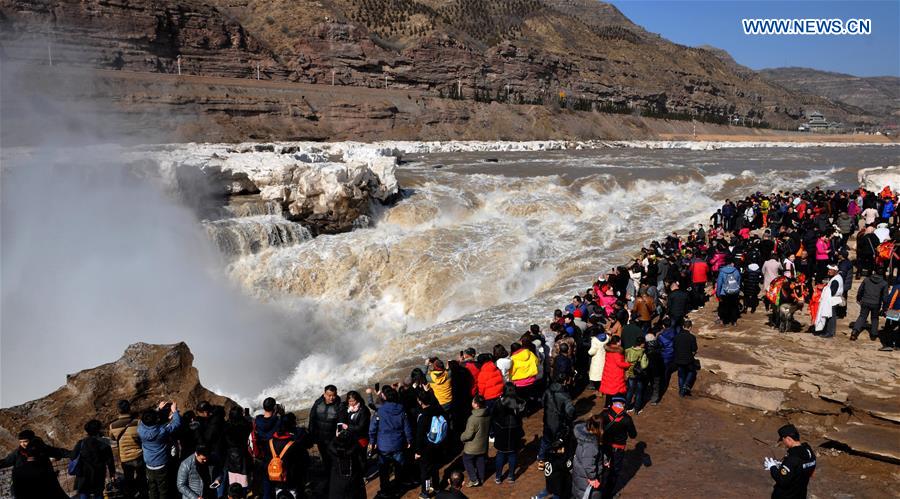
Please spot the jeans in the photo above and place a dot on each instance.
(158, 484)
(864, 311)
(502, 459)
(474, 464)
(686, 377)
(634, 397)
(134, 478)
(386, 462)
(543, 446)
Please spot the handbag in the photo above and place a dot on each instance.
(696, 364)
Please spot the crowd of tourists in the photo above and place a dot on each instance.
(621, 340)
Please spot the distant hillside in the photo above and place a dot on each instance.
(533, 51)
(878, 95)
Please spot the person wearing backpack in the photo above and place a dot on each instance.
(431, 431)
(264, 427)
(506, 423)
(124, 432)
(198, 475)
(288, 458)
(728, 290)
(635, 375)
(93, 458)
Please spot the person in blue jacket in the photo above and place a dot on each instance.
(728, 291)
(155, 431)
(666, 341)
(390, 435)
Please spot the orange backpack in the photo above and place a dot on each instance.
(276, 469)
(884, 251)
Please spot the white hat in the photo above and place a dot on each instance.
(832, 267)
(754, 267)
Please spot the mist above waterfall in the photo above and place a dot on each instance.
(94, 257)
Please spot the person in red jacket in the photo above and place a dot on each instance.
(613, 381)
(489, 381)
(468, 361)
(699, 271)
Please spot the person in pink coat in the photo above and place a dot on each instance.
(823, 258)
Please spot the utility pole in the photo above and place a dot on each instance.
(385, 81)
(507, 93)
(459, 88)
(49, 54)
(178, 63)
(332, 77)
(257, 71)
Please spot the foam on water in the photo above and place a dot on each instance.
(468, 259)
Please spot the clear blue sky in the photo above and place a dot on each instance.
(718, 23)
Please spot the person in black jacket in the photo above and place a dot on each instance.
(323, 424)
(426, 452)
(295, 460)
(793, 473)
(685, 346)
(506, 425)
(866, 249)
(559, 412)
(95, 458)
(347, 468)
(618, 427)
(237, 460)
(677, 303)
(354, 416)
(872, 297)
(33, 476)
(209, 428)
(750, 284)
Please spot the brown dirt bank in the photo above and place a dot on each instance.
(152, 107)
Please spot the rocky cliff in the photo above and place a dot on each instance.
(572, 53)
(877, 95)
(144, 375)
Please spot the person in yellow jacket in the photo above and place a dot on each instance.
(524, 370)
(440, 383)
(123, 431)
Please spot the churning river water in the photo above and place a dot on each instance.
(484, 244)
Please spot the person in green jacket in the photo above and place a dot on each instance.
(635, 375)
(475, 440)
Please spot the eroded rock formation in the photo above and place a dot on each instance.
(144, 375)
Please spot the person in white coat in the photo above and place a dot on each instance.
(598, 358)
(832, 296)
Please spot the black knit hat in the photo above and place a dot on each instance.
(26, 435)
